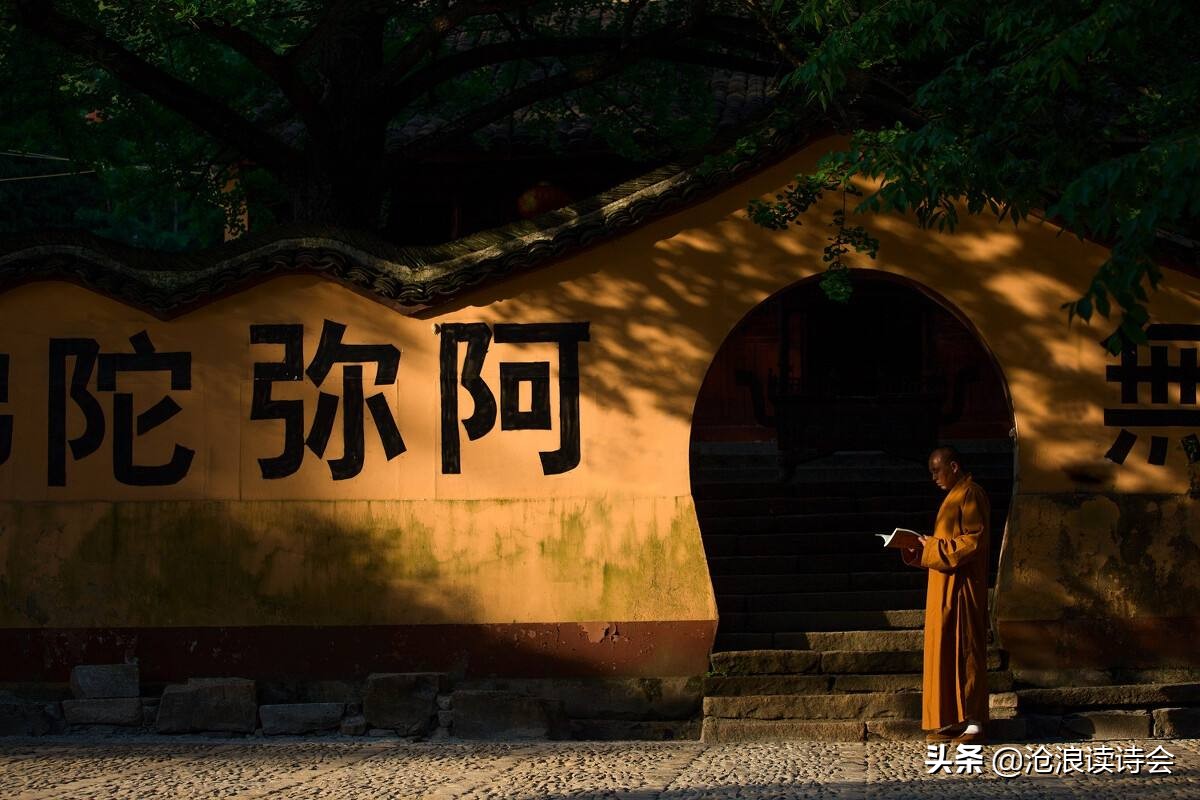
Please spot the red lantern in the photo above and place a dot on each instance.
(539, 199)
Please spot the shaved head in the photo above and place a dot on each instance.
(949, 455)
(946, 467)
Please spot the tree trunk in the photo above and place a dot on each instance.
(342, 180)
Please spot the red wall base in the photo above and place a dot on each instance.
(544, 649)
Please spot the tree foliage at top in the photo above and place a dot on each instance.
(1085, 110)
(321, 110)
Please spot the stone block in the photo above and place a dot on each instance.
(1006, 730)
(296, 718)
(1000, 681)
(1043, 726)
(837, 662)
(279, 691)
(402, 701)
(765, 662)
(1148, 695)
(1109, 724)
(354, 726)
(506, 715)
(1002, 700)
(866, 705)
(1177, 723)
(896, 682)
(100, 681)
(893, 730)
(208, 704)
(731, 685)
(21, 717)
(109, 711)
(863, 641)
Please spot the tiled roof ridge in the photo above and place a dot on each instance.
(408, 278)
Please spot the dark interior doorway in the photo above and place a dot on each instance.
(811, 433)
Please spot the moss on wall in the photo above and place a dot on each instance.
(349, 563)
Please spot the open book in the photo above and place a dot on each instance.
(900, 538)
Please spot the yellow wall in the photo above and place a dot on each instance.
(616, 537)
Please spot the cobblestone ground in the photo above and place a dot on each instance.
(361, 769)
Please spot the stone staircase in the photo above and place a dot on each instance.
(820, 631)
(847, 686)
(793, 558)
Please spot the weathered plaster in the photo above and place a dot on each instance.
(614, 539)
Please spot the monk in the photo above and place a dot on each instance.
(954, 700)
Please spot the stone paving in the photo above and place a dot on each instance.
(117, 768)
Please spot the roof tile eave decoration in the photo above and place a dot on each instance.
(409, 279)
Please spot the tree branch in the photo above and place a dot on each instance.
(42, 18)
(426, 42)
(451, 66)
(684, 54)
(279, 69)
(781, 44)
(534, 91)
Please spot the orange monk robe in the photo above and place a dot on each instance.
(954, 686)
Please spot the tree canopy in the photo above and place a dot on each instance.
(321, 110)
(1085, 111)
(162, 117)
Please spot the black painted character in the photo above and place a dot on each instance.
(478, 337)
(6, 420)
(126, 427)
(331, 350)
(1159, 375)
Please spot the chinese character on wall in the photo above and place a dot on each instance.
(478, 338)
(1160, 375)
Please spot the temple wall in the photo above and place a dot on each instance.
(517, 563)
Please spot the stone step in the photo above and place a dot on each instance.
(999, 681)
(791, 544)
(771, 621)
(735, 476)
(716, 730)
(847, 706)
(715, 489)
(1051, 678)
(822, 601)
(770, 565)
(749, 685)
(836, 662)
(892, 600)
(861, 640)
(748, 507)
(811, 582)
(866, 521)
(1116, 696)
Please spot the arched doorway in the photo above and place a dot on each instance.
(810, 435)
